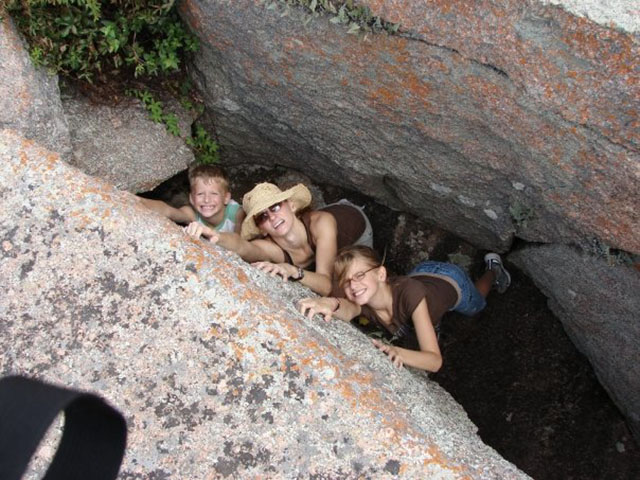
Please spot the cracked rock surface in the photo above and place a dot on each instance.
(217, 374)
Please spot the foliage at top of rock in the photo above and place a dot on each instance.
(93, 40)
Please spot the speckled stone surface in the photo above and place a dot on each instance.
(29, 97)
(217, 374)
(599, 306)
(490, 119)
(622, 14)
(122, 145)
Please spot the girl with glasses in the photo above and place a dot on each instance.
(283, 237)
(409, 307)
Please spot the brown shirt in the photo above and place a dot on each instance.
(406, 293)
(351, 226)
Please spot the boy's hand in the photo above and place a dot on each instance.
(196, 230)
(274, 269)
(391, 351)
(322, 306)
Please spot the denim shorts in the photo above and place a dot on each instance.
(471, 300)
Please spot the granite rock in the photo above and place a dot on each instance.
(121, 144)
(490, 119)
(217, 373)
(29, 96)
(597, 302)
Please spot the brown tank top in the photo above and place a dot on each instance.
(407, 293)
(350, 225)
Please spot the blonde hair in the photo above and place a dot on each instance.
(208, 172)
(347, 255)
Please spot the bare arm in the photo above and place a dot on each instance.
(428, 357)
(249, 251)
(329, 307)
(324, 230)
(181, 215)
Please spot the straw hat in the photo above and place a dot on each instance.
(265, 195)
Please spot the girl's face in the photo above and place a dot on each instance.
(277, 220)
(362, 281)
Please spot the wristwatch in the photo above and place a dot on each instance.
(299, 276)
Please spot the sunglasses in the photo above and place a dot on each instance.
(263, 216)
(358, 277)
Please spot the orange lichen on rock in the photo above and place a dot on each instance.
(241, 276)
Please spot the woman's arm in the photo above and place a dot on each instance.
(324, 229)
(249, 251)
(329, 307)
(428, 357)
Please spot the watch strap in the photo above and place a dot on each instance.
(299, 276)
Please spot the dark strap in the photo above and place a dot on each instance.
(93, 440)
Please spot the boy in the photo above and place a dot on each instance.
(210, 201)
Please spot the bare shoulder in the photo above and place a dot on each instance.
(271, 250)
(321, 221)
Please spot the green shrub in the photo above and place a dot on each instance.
(521, 214)
(156, 110)
(89, 39)
(613, 256)
(357, 18)
(203, 146)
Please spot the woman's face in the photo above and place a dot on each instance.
(361, 281)
(277, 220)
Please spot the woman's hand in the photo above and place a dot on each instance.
(283, 270)
(196, 230)
(392, 352)
(325, 306)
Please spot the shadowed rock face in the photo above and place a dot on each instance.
(216, 373)
(598, 304)
(489, 120)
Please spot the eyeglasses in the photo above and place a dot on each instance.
(358, 277)
(263, 216)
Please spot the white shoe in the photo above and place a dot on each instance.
(503, 278)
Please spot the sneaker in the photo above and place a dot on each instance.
(503, 279)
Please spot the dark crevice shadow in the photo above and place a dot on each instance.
(533, 396)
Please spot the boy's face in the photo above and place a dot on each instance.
(208, 197)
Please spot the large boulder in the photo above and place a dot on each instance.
(216, 372)
(598, 303)
(29, 96)
(123, 145)
(488, 119)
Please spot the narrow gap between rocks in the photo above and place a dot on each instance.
(533, 396)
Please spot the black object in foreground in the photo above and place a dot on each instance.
(93, 440)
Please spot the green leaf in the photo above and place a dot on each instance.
(354, 28)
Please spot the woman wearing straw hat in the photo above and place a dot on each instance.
(283, 239)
